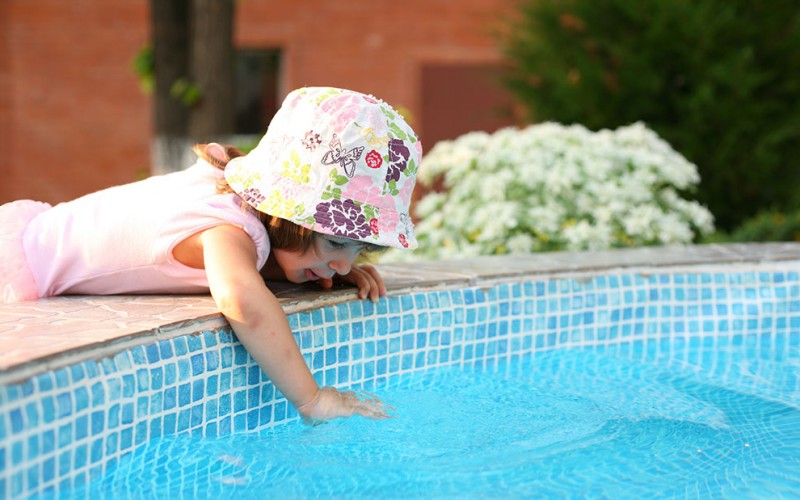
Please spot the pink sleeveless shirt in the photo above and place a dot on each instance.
(120, 240)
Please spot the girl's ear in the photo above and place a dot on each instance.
(217, 152)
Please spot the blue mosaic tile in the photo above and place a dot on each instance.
(91, 413)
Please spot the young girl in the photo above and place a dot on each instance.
(330, 179)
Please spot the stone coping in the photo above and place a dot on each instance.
(51, 333)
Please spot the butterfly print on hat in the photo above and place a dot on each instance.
(338, 154)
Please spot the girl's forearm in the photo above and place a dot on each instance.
(254, 312)
(263, 329)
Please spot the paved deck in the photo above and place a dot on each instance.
(60, 330)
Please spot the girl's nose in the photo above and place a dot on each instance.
(341, 266)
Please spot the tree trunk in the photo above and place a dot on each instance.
(212, 70)
(170, 21)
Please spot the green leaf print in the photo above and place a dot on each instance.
(389, 113)
(370, 212)
(390, 188)
(411, 169)
(398, 132)
(331, 192)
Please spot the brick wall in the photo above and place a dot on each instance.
(5, 100)
(73, 119)
(78, 120)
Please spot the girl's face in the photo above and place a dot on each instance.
(326, 256)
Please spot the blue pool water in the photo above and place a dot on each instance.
(631, 384)
(709, 419)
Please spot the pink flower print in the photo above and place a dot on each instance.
(374, 159)
(390, 219)
(343, 108)
(418, 149)
(311, 140)
(405, 193)
(297, 97)
(373, 225)
(364, 189)
(402, 239)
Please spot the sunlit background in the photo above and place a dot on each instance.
(95, 93)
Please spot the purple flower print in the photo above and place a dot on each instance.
(344, 218)
(398, 159)
(252, 196)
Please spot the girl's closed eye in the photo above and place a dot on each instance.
(341, 244)
(335, 244)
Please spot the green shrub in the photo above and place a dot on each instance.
(717, 79)
(550, 187)
(766, 226)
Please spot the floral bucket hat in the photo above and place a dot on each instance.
(335, 161)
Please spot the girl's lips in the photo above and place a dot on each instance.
(312, 276)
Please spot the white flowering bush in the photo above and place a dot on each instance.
(553, 187)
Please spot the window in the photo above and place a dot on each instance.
(257, 77)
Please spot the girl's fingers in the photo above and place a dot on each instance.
(378, 279)
(370, 406)
(365, 281)
(365, 277)
(335, 404)
(372, 287)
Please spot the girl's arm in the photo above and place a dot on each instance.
(261, 325)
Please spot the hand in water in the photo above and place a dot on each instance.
(332, 403)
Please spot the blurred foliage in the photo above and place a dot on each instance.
(182, 89)
(766, 226)
(716, 79)
(144, 66)
(246, 144)
(186, 92)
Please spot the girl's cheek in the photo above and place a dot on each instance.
(355, 255)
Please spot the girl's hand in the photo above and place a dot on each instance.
(365, 277)
(331, 403)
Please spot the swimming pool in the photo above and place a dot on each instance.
(573, 421)
(598, 374)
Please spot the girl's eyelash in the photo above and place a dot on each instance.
(335, 244)
(338, 245)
